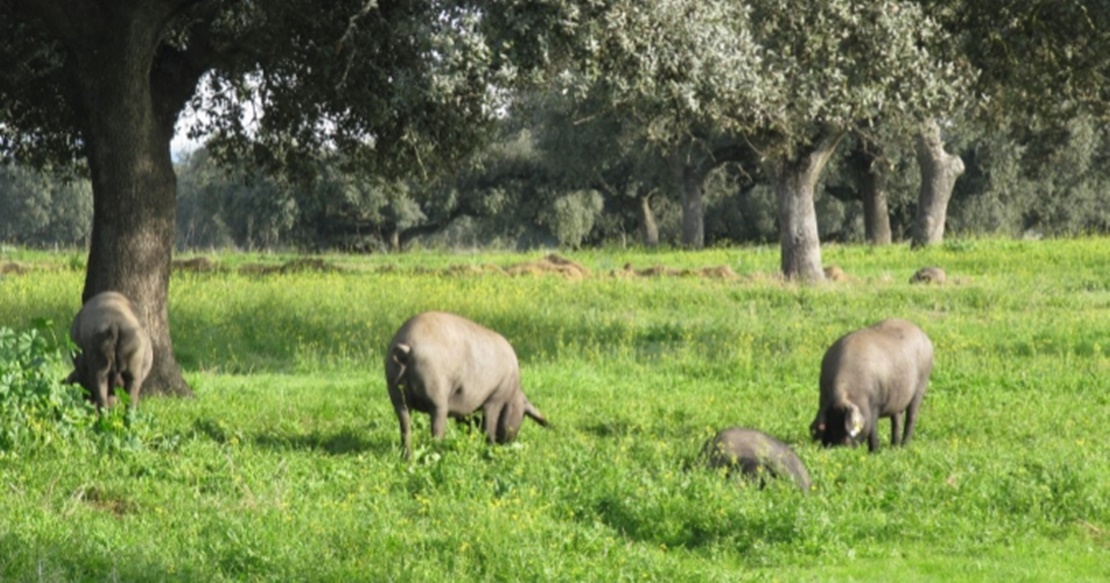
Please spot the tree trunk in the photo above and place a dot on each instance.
(939, 171)
(687, 182)
(649, 229)
(871, 180)
(793, 181)
(134, 188)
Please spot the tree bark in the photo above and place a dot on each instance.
(685, 179)
(871, 180)
(939, 171)
(127, 128)
(793, 181)
(649, 229)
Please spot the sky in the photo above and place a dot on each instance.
(181, 145)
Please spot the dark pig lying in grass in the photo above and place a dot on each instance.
(115, 348)
(756, 455)
(879, 371)
(929, 275)
(446, 365)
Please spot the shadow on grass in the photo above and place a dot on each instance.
(345, 441)
(676, 525)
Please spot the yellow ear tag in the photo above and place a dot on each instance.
(856, 428)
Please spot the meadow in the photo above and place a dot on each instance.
(286, 466)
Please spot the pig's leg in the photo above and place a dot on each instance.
(896, 429)
(911, 417)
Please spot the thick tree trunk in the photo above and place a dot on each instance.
(939, 171)
(793, 182)
(871, 180)
(686, 180)
(649, 229)
(134, 187)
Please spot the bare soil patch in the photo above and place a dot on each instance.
(13, 268)
(195, 265)
(106, 501)
(717, 272)
(551, 264)
(301, 265)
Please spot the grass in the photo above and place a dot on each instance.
(286, 466)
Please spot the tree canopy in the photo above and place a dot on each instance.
(396, 95)
(397, 86)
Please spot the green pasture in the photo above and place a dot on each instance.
(286, 466)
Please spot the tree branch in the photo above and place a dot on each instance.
(69, 22)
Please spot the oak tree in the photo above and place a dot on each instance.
(396, 85)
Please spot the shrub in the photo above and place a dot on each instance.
(40, 412)
(35, 408)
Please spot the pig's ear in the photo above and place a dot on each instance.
(854, 422)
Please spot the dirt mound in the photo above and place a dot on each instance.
(835, 273)
(471, 269)
(194, 265)
(308, 264)
(13, 268)
(555, 264)
(657, 271)
(552, 264)
(255, 269)
(718, 272)
(721, 272)
(301, 265)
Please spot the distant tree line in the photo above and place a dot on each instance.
(361, 125)
(51, 208)
(649, 122)
(525, 191)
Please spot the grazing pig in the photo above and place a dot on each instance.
(929, 275)
(446, 365)
(115, 348)
(879, 371)
(756, 454)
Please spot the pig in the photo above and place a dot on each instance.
(446, 365)
(756, 455)
(115, 349)
(879, 371)
(929, 275)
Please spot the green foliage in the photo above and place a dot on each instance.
(1046, 180)
(407, 93)
(572, 216)
(1036, 61)
(791, 70)
(394, 86)
(661, 65)
(44, 208)
(36, 409)
(248, 209)
(39, 414)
